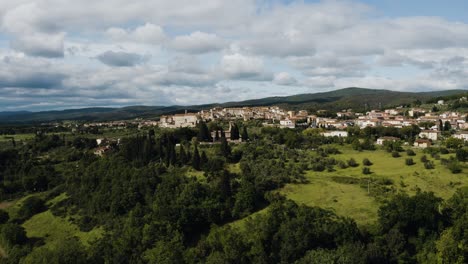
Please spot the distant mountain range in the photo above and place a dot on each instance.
(355, 98)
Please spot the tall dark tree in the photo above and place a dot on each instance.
(223, 135)
(234, 132)
(447, 126)
(224, 148)
(203, 159)
(441, 126)
(203, 132)
(182, 156)
(217, 135)
(196, 159)
(245, 135)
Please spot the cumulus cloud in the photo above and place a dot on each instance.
(121, 59)
(148, 33)
(35, 74)
(42, 45)
(238, 66)
(284, 78)
(197, 42)
(216, 50)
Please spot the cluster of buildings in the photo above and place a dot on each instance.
(334, 126)
(399, 119)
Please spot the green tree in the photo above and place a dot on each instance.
(30, 207)
(4, 217)
(225, 149)
(12, 234)
(234, 132)
(203, 132)
(447, 126)
(245, 135)
(196, 159)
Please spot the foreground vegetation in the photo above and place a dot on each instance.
(280, 196)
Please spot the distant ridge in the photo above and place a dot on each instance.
(352, 97)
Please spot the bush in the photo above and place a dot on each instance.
(13, 234)
(444, 151)
(366, 162)
(454, 166)
(4, 217)
(318, 167)
(424, 159)
(366, 170)
(395, 154)
(342, 164)
(30, 207)
(410, 152)
(409, 162)
(352, 163)
(429, 165)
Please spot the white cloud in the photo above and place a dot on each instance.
(212, 50)
(121, 59)
(284, 78)
(38, 44)
(197, 42)
(148, 33)
(238, 66)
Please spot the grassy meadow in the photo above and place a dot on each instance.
(359, 201)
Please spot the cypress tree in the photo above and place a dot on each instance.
(223, 135)
(196, 159)
(203, 159)
(234, 132)
(217, 135)
(182, 156)
(203, 132)
(245, 136)
(224, 147)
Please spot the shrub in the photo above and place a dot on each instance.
(352, 163)
(424, 159)
(366, 170)
(444, 151)
(4, 217)
(429, 165)
(454, 166)
(410, 152)
(318, 167)
(30, 207)
(13, 234)
(342, 164)
(366, 162)
(409, 162)
(395, 154)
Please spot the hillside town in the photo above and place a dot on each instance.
(431, 123)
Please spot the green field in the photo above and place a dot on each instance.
(17, 137)
(56, 229)
(354, 201)
(51, 229)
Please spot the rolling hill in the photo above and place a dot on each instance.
(355, 98)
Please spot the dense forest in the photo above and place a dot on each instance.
(152, 210)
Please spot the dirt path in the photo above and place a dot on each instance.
(5, 204)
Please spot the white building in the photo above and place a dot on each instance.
(429, 134)
(462, 135)
(287, 123)
(335, 133)
(380, 141)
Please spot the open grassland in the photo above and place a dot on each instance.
(51, 229)
(17, 137)
(55, 229)
(353, 199)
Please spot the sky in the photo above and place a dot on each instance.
(57, 54)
